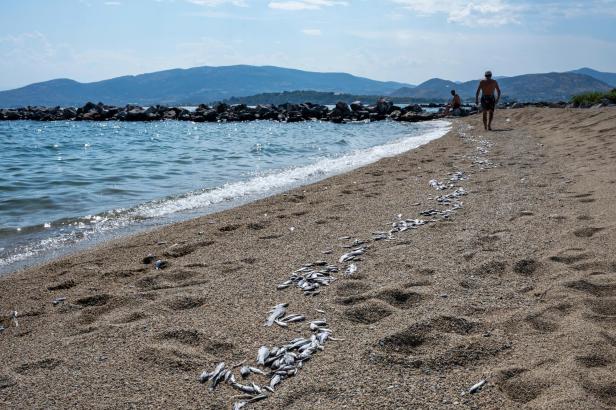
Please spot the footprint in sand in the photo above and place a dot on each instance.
(369, 312)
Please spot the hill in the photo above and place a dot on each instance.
(191, 86)
(608, 78)
(528, 87)
(316, 97)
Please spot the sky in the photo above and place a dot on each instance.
(399, 40)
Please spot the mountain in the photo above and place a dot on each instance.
(191, 86)
(316, 97)
(608, 78)
(528, 87)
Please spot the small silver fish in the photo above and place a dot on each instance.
(277, 312)
(275, 380)
(351, 269)
(239, 405)
(280, 323)
(262, 355)
(475, 388)
(256, 371)
(245, 371)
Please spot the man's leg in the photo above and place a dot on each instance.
(490, 120)
(485, 119)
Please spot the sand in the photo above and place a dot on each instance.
(517, 288)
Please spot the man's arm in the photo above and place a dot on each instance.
(498, 92)
(477, 93)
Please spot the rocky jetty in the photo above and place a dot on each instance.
(221, 112)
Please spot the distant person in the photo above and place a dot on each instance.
(454, 105)
(488, 101)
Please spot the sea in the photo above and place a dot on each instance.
(65, 186)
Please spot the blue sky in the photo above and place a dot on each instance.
(401, 40)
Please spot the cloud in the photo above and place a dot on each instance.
(212, 3)
(312, 31)
(305, 4)
(112, 3)
(469, 13)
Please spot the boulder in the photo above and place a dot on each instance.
(383, 106)
(221, 107)
(357, 106)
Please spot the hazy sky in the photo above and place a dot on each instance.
(402, 40)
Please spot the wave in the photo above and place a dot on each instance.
(174, 208)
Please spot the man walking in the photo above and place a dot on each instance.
(488, 101)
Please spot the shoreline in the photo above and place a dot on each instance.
(287, 178)
(427, 315)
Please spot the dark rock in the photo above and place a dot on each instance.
(221, 107)
(383, 106)
(357, 106)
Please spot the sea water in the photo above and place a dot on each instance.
(67, 185)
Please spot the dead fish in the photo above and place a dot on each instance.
(327, 252)
(239, 405)
(258, 398)
(149, 259)
(247, 389)
(281, 323)
(276, 313)
(262, 355)
(205, 376)
(320, 311)
(351, 269)
(275, 380)
(160, 264)
(245, 371)
(293, 318)
(57, 301)
(218, 376)
(256, 371)
(14, 318)
(282, 286)
(475, 388)
(319, 322)
(323, 336)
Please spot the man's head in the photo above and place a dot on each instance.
(488, 74)
(453, 92)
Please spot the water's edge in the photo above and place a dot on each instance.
(157, 214)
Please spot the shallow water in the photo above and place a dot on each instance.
(74, 183)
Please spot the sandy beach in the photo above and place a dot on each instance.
(517, 287)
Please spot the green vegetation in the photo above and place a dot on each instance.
(592, 98)
(318, 97)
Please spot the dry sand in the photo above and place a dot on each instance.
(518, 288)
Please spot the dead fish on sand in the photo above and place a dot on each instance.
(161, 264)
(351, 269)
(277, 312)
(475, 388)
(57, 301)
(149, 259)
(353, 254)
(262, 355)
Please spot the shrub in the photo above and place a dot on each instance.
(594, 97)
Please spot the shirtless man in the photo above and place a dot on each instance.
(488, 101)
(455, 105)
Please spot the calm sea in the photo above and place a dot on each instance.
(66, 185)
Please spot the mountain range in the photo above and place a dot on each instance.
(207, 84)
(191, 86)
(528, 87)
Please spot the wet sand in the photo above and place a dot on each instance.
(518, 287)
